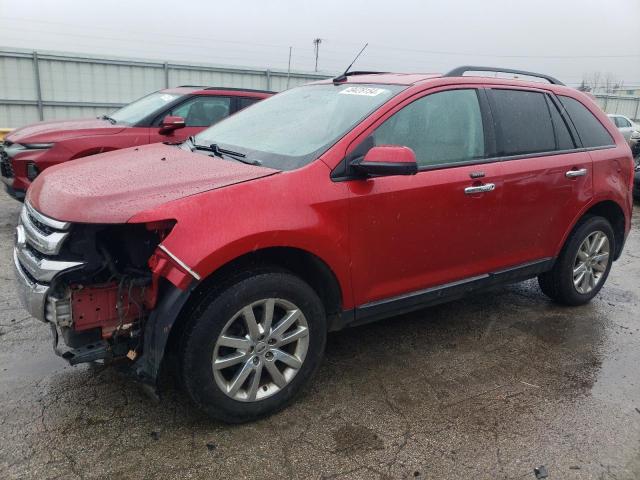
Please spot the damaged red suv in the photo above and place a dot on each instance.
(170, 115)
(329, 205)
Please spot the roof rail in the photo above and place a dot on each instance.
(233, 89)
(460, 71)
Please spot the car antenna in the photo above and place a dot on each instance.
(343, 77)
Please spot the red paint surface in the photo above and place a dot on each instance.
(390, 153)
(111, 187)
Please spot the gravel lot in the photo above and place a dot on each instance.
(484, 388)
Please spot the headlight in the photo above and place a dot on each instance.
(15, 148)
(635, 135)
(37, 146)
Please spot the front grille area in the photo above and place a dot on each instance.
(36, 255)
(41, 227)
(6, 170)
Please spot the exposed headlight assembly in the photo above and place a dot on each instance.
(15, 148)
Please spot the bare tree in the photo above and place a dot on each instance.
(584, 87)
(598, 82)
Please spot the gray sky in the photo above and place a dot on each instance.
(564, 38)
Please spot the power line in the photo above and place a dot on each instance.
(317, 42)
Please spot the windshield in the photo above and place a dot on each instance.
(140, 109)
(293, 128)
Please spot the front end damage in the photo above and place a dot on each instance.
(99, 287)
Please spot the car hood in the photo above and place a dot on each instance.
(57, 130)
(112, 187)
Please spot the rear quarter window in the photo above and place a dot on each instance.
(591, 132)
(244, 102)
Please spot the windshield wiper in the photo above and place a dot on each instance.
(107, 117)
(221, 152)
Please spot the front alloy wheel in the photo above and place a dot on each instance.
(251, 344)
(260, 349)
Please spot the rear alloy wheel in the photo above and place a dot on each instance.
(591, 262)
(250, 346)
(583, 264)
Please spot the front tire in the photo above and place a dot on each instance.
(249, 349)
(583, 265)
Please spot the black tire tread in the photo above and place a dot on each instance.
(553, 283)
(224, 292)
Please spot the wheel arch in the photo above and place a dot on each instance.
(613, 212)
(302, 263)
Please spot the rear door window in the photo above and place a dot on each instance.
(622, 122)
(522, 122)
(592, 133)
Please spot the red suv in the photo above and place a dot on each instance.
(329, 205)
(169, 115)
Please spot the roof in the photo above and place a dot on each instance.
(387, 78)
(205, 90)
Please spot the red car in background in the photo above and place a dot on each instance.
(170, 115)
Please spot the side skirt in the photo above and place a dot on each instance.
(373, 311)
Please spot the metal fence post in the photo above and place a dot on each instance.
(166, 74)
(268, 73)
(637, 118)
(36, 75)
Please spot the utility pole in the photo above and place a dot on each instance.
(289, 67)
(316, 48)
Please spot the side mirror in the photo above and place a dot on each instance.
(171, 123)
(386, 160)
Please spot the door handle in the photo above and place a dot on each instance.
(487, 187)
(576, 173)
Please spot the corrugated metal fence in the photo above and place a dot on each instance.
(45, 86)
(622, 105)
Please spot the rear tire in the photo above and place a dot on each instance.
(266, 368)
(589, 250)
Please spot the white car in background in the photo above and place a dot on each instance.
(630, 130)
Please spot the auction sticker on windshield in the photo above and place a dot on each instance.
(366, 91)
